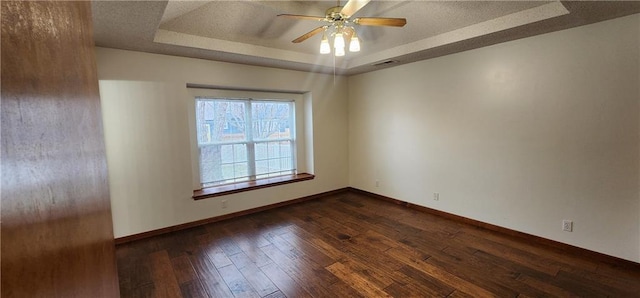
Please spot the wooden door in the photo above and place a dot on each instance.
(57, 233)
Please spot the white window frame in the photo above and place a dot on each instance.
(298, 160)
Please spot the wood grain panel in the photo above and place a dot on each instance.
(56, 216)
(209, 276)
(356, 281)
(163, 275)
(258, 280)
(193, 289)
(284, 282)
(306, 250)
(574, 251)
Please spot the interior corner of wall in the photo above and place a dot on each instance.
(308, 132)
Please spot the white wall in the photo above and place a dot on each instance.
(521, 135)
(145, 102)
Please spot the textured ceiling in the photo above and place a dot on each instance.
(250, 32)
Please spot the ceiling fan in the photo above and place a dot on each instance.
(339, 25)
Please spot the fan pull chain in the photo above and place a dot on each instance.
(334, 69)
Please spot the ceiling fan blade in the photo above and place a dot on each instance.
(395, 22)
(309, 34)
(302, 17)
(353, 6)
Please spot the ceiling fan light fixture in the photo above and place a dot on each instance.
(354, 44)
(338, 41)
(325, 48)
(337, 21)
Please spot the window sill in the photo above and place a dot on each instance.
(228, 189)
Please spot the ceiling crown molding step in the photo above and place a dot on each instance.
(249, 32)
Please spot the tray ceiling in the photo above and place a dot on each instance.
(249, 32)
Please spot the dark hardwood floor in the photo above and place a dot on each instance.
(351, 245)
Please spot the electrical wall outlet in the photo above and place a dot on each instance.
(567, 225)
(377, 183)
(436, 196)
(224, 204)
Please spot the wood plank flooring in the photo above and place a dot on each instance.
(351, 245)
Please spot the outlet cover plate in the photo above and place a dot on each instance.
(567, 225)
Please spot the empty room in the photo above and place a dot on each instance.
(355, 148)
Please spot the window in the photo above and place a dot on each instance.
(244, 139)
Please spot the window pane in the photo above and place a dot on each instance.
(240, 152)
(271, 120)
(227, 171)
(210, 163)
(220, 121)
(262, 167)
(274, 151)
(261, 151)
(241, 170)
(274, 165)
(285, 149)
(227, 153)
(285, 163)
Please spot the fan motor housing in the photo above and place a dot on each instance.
(334, 14)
